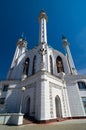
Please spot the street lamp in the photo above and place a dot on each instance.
(21, 101)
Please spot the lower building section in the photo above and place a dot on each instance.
(43, 97)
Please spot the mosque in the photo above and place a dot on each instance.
(43, 83)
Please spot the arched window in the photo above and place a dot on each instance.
(59, 64)
(51, 65)
(26, 66)
(34, 65)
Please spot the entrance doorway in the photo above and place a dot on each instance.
(28, 106)
(58, 106)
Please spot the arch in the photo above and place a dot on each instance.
(51, 65)
(58, 106)
(26, 66)
(34, 65)
(59, 64)
(28, 105)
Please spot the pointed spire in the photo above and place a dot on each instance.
(22, 41)
(22, 36)
(65, 41)
(63, 37)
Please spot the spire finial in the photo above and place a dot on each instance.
(22, 36)
(63, 37)
(42, 11)
(42, 15)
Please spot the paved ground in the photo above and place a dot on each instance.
(65, 125)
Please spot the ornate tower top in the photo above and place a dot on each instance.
(65, 41)
(42, 15)
(22, 41)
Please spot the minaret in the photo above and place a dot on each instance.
(20, 49)
(42, 30)
(43, 39)
(69, 56)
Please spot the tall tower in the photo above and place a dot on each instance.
(43, 39)
(69, 56)
(20, 49)
(42, 29)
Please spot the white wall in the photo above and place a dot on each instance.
(75, 102)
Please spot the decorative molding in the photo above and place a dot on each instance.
(63, 99)
(51, 102)
(55, 85)
(43, 79)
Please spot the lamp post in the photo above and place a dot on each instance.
(21, 101)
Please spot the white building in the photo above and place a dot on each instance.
(43, 83)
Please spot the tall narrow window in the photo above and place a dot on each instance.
(51, 65)
(82, 86)
(5, 88)
(26, 66)
(34, 65)
(59, 64)
(58, 106)
(84, 103)
(2, 101)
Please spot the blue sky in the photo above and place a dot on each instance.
(66, 17)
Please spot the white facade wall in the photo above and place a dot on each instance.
(58, 88)
(75, 101)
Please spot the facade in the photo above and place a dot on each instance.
(43, 83)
